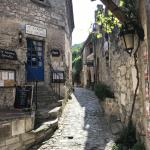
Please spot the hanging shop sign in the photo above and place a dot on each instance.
(55, 52)
(33, 30)
(7, 54)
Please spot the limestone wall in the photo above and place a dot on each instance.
(120, 74)
(13, 133)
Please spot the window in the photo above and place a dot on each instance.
(57, 76)
(7, 78)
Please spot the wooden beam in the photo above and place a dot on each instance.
(115, 10)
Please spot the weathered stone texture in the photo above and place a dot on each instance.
(121, 76)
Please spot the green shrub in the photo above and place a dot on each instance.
(127, 139)
(138, 146)
(128, 136)
(102, 91)
(117, 147)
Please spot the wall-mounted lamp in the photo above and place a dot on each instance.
(20, 37)
(127, 38)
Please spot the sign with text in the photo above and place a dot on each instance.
(7, 54)
(55, 52)
(35, 31)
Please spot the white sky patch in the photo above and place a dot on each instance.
(83, 17)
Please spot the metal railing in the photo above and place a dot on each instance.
(55, 81)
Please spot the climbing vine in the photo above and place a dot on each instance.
(107, 21)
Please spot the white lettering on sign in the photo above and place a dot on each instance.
(35, 31)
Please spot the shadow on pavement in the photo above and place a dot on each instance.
(99, 136)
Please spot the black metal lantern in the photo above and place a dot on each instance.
(127, 38)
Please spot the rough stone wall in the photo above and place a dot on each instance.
(120, 74)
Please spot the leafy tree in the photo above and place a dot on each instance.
(76, 62)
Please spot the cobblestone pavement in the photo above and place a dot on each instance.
(82, 125)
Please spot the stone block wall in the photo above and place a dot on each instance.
(14, 134)
(121, 75)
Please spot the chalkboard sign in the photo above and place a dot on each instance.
(7, 54)
(55, 52)
(23, 97)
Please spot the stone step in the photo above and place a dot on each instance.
(44, 95)
(50, 113)
(46, 125)
(54, 112)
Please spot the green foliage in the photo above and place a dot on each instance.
(138, 146)
(102, 91)
(129, 9)
(76, 61)
(77, 67)
(128, 136)
(76, 47)
(107, 21)
(117, 147)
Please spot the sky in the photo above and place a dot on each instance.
(83, 18)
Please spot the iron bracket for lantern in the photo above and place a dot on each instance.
(127, 35)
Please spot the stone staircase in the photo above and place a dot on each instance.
(47, 114)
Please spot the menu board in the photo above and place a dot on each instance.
(24, 95)
(7, 78)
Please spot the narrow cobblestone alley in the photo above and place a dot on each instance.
(81, 127)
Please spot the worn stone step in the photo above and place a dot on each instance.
(44, 95)
(44, 99)
(54, 112)
(46, 125)
(49, 113)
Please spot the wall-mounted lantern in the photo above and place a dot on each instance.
(20, 37)
(127, 38)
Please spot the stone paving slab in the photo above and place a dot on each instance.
(81, 127)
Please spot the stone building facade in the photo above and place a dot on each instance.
(34, 24)
(87, 73)
(35, 44)
(117, 69)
